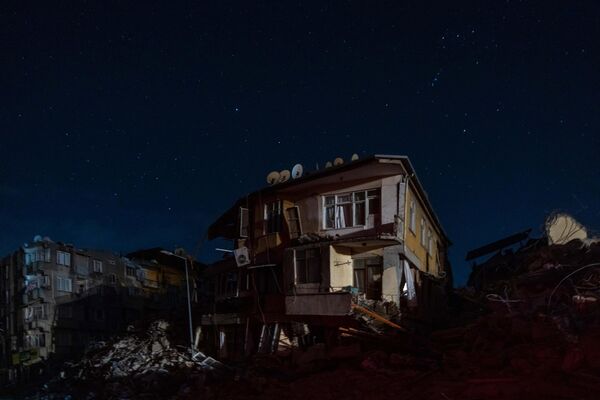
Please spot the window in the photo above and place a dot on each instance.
(429, 240)
(308, 266)
(293, 216)
(35, 340)
(273, 217)
(351, 209)
(64, 284)
(82, 264)
(63, 258)
(129, 270)
(112, 279)
(244, 219)
(374, 206)
(38, 254)
(412, 217)
(97, 266)
(423, 235)
(368, 274)
(35, 313)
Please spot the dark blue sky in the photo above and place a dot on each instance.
(127, 126)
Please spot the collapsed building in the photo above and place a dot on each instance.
(310, 250)
(59, 298)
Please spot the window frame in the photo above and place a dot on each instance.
(304, 269)
(95, 264)
(62, 282)
(412, 218)
(365, 201)
(271, 224)
(63, 258)
(294, 221)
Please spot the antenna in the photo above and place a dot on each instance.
(328, 164)
(284, 176)
(338, 161)
(273, 178)
(297, 171)
(354, 157)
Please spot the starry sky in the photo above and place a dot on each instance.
(135, 124)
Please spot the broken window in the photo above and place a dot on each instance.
(351, 209)
(273, 217)
(308, 265)
(368, 273)
(293, 216)
(244, 219)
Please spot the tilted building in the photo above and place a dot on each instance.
(308, 250)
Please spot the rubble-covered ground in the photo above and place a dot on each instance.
(528, 328)
(137, 366)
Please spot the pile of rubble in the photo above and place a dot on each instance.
(135, 366)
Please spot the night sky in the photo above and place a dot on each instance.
(128, 126)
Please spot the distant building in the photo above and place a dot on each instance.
(307, 249)
(58, 298)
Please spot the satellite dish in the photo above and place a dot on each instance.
(354, 157)
(284, 176)
(338, 161)
(37, 238)
(273, 178)
(297, 171)
(328, 164)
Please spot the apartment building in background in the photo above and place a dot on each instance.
(58, 298)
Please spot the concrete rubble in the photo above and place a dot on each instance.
(137, 366)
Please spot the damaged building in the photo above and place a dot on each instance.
(58, 298)
(310, 250)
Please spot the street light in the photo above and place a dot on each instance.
(187, 284)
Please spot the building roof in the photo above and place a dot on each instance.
(227, 221)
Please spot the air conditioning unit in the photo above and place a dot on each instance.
(241, 256)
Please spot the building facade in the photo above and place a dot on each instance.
(308, 250)
(58, 298)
